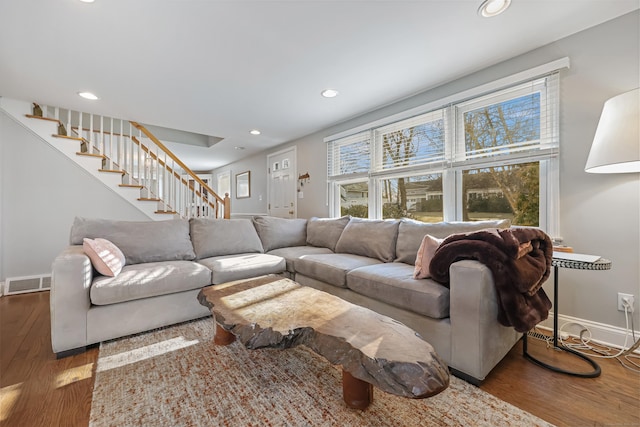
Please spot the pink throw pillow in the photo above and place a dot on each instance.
(104, 255)
(425, 255)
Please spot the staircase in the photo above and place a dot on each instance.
(124, 156)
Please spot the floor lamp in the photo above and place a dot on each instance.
(616, 144)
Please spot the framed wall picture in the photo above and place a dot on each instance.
(243, 185)
(285, 163)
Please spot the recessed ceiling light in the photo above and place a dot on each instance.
(255, 132)
(490, 8)
(329, 93)
(238, 148)
(88, 95)
(87, 1)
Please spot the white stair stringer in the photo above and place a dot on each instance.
(44, 129)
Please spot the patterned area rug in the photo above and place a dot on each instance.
(177, 377)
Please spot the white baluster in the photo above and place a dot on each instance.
(101, 136)
(130, 151)
(111, 156)
(119, 146)
(90, 133)
(69, 121)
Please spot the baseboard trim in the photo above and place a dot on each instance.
(601, 333)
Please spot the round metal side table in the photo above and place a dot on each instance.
(600, 264)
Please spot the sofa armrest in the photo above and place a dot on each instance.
(478, 341)
(69, 299)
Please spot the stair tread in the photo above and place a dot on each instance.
(74, 138)
(131, 185)
(90, 154)
(31, 116)
(145, 199)
(167, 212)
(111, 171)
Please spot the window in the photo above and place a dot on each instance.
(417, 196)
(492, 156)
(413, 142)
(354, 199)
(506, 192)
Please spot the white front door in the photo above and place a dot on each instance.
(282, 183)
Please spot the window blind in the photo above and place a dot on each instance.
(511, 123)
(415, 141)
(349, 156)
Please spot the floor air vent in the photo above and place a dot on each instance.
(21, 285)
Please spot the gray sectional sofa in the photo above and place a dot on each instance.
(366, 262)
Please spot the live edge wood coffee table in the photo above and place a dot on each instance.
(271, 311)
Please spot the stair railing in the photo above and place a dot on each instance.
(130, 149)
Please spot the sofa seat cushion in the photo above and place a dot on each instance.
(242, 266)
(394, 284)
(295, 252)
(331, 268)
(139, 281)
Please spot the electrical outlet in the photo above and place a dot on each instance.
(621, 298)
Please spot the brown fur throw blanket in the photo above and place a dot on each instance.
(520, 260)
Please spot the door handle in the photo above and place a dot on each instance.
(291, 212)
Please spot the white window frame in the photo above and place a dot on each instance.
(334, 193)
(546, 155)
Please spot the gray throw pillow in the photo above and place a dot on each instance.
(277, 232)
(139, 241)
(370, 238)
(325, 232)
(214, 237)
(411, 233)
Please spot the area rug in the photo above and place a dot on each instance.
(177, 377)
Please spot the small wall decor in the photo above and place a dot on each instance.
(304, 178)
(243, 185)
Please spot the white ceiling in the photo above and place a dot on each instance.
(222, 68)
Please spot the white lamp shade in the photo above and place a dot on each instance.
(616, 144)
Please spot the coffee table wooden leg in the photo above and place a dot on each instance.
(222, 336)
(357, 394)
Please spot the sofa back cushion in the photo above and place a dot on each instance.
(277, 232)
(411, 233)
(139, 241)
(370, 238)
(215, 237)
(325, 232)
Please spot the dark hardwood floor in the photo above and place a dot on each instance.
(36, 389)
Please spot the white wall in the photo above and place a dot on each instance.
(42, 191)
(256, 204)
(600, 214)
